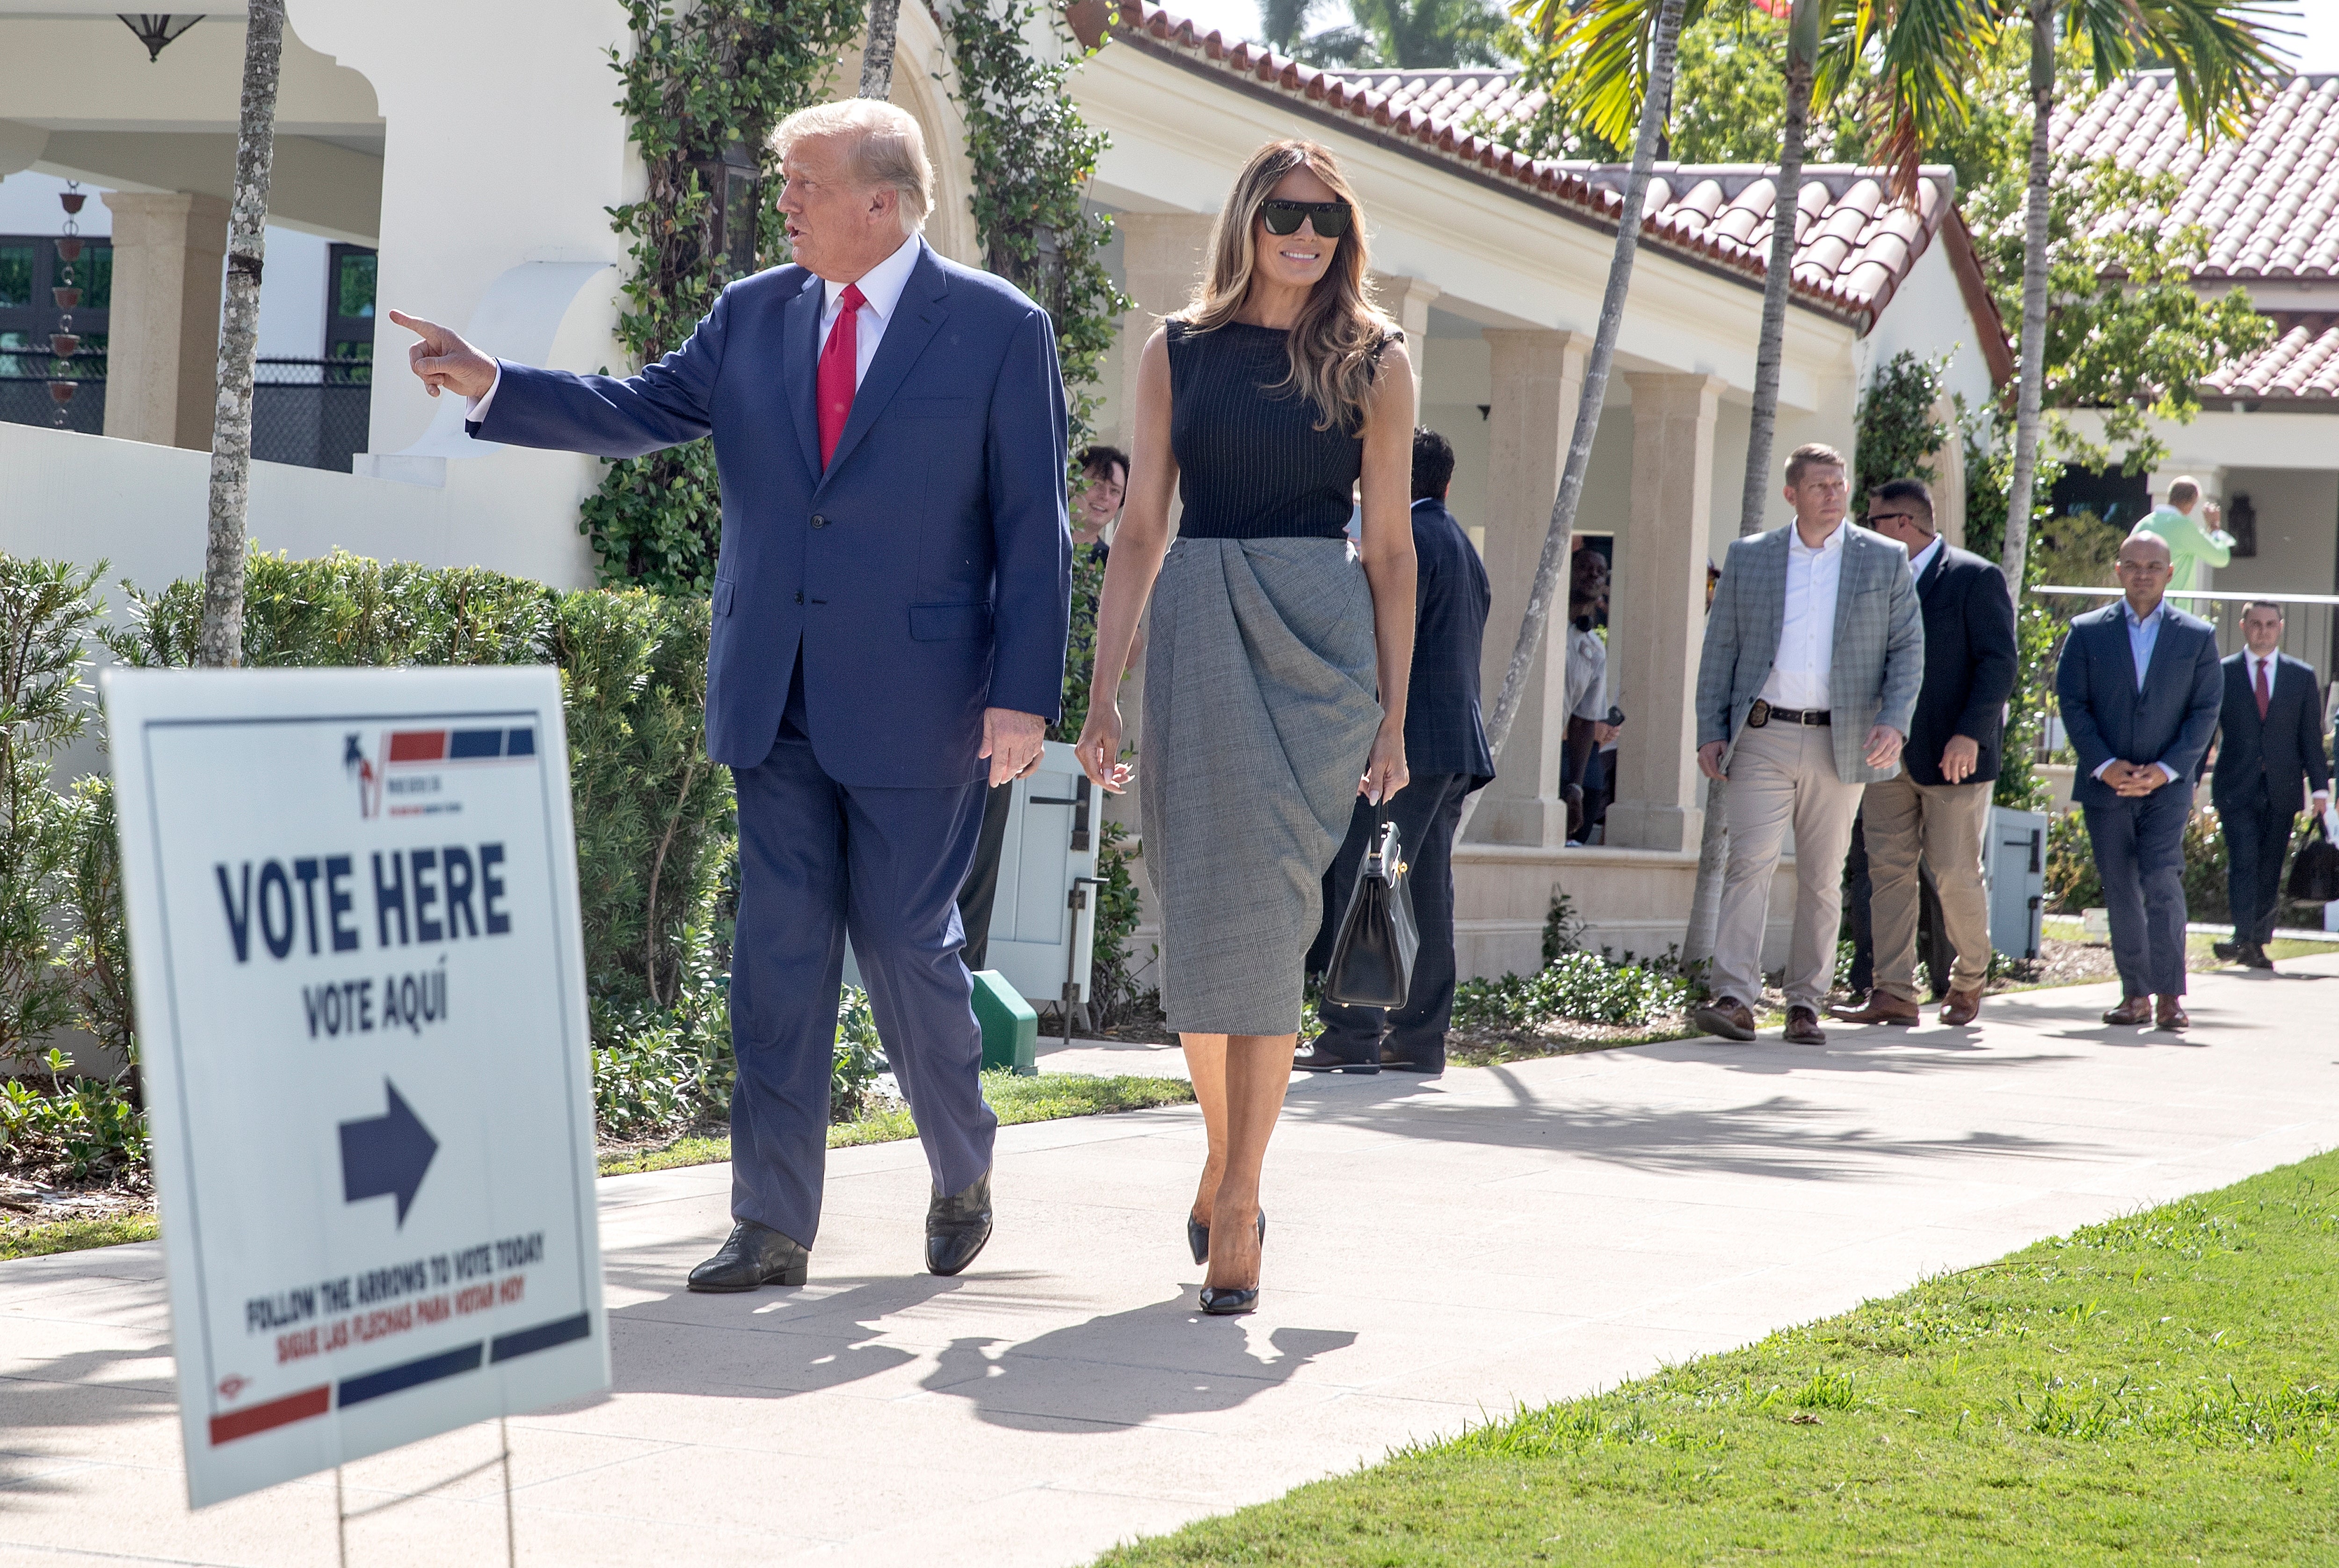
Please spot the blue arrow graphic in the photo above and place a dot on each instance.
(386, 1154)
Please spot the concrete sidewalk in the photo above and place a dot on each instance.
(1435, 1250)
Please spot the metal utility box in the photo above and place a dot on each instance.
(1043, 921)
(2016, 859)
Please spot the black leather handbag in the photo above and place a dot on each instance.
(2314, 873)
(1372, 956)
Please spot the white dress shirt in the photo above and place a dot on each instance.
(1799, 674)
(1587, 674)
(2143, 637)
(1922, 560)
(881, 288)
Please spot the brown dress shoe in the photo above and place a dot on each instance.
(1803, 1027)
(1962, 1007)
(2169, 1012)
(1725, 1016)
(2132, 1009)
(1881, 1007)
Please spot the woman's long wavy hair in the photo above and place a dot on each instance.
(1337, 337)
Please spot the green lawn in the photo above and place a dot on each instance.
(2164, 1388)
(23, 1240)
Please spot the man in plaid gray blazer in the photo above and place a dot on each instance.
(1815, 654)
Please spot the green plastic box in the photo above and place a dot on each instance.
(1009, 1027)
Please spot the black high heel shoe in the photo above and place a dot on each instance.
(1197, 1236)
(1230, 1301)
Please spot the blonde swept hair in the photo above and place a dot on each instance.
(1337, 341)
(886, 148)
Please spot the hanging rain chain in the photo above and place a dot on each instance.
(63, 342)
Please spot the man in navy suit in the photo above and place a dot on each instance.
(2269, 752)
(1445, 747)
(2138, 684)
(890, 609)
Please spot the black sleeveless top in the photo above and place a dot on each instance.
(1251, 464)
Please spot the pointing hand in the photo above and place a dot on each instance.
(443, 360)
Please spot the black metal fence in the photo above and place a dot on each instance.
(311, 413)
(26, 401)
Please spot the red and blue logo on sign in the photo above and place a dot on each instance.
(411, 763)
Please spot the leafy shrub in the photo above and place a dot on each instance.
(858, 1060)
(1583, 987)
(82, 1130)
(46, 612)
(1113, 995)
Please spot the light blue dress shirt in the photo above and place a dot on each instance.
(2143, 637)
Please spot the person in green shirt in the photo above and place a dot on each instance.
(2194, 541)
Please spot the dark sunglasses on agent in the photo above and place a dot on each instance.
(1330, 218)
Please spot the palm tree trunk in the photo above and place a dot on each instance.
(1803, 52)
(1657, 94)
(221, 642)
(2031, 388)
(877, 55)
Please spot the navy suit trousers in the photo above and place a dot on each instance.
(2139, 844)
(1425, 812)
(2257, 838)
(818, 859)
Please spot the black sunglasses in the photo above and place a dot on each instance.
(1329, 218)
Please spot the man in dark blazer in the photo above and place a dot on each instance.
(889, 634)
(2139, 685)
(1445, 748)
(2269, 755)
(1938, 807)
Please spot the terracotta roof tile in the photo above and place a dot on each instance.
(1853, 248)
(2270, 199)
(2303, 363)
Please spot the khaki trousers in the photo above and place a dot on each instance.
(1945, 823)
(1783, 774)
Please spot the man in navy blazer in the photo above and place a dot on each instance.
(2139, 685)
(890, 609)
(2269, 753)
(1445, 747)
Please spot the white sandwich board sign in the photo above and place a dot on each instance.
(353, 927)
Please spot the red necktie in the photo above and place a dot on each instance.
(839, 359)
(2266, 697)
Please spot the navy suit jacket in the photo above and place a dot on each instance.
(2169, 721)
(925, 575)
(1444, 730)
(2286, 747)
(1970, 664)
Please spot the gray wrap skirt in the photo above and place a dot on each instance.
(1260, 717)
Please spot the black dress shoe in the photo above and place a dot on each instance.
(1229, 1301)
(2255, 957)
(1427, 1066)
(1315, 1058)
(1197, 1236)
(755, 1257)
(2227, 951)
(958, 1226)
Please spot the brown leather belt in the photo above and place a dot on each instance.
(1762, 712)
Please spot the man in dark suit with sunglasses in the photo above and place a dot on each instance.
(1445, 747)
(2269, 757)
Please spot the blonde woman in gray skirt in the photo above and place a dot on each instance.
(1264, 405)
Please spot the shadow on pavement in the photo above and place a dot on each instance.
(1123, 1368)
(765, 1343)
(1778, 1137)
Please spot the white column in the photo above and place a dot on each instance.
(1408, 300)
(1535, 379)
(1162, 256)
(161, 363)
(1656, 617)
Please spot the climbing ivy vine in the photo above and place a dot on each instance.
(1033, 157)
(699, 79)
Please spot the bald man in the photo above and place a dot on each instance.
(2140, 685)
